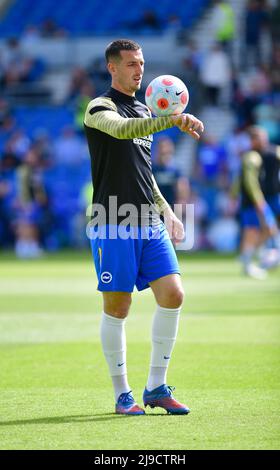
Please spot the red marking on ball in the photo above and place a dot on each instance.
(162, 103)
(184, 98)
(167, 81)
(149, 91)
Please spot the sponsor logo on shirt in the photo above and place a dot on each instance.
(145, 141)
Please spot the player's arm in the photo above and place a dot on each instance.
(102, 114)
(234, 189)
(160, 201)
(174, 226)
(251, 168)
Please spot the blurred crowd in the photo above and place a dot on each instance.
(242, 82)
(45, 178)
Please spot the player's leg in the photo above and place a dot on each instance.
(168, 291)
(169, 294)
(160, 269)
(250, 242)
(251, 239)
(256, 231)
(117, 304)
(113, 339)
(270, 252)
(116, 271)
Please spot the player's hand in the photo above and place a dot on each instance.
(270, 229)
(189, 124)
(174, 226)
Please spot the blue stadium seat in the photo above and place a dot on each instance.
(85, 17)
(53, 119)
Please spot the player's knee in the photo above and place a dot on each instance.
(118, 309)
(177, 297)
(172, 298)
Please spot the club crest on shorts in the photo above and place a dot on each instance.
(106, 277)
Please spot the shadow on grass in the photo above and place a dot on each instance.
(74, 419)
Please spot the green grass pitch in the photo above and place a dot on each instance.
(55, 389)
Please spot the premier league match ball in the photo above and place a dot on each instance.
(166, 95)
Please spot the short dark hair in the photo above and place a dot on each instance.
(113, 49)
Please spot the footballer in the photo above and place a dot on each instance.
(119, 132)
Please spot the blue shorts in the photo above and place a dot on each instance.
(122, 264)
(249, 217)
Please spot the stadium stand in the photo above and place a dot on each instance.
(60, 47)
(87, 18)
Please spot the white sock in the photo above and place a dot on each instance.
(120, 384)
(113, 342)
(164, 333)
(246, 257)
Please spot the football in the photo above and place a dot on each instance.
(166, 95)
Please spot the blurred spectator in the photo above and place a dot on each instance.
(6, 213)
(15, 63)
(33, 207)
(259, 80)
(224, 24)
(98, 71)
(211, 160)
(244, 104)
(18, 144)
(42, 144)
(236, 144)
(267, 116)
(2, 70)
(6, 117)
(69, 148)
(79, 79)
(165, 171)
(192, 57)
(12, 53)
(49, 29)
(223, 234)
(256, 20)
(17, 66)
(99, 75)
(9, 160)
(191, 62)
(148, 23)
(80, 220)
(7, 124)
(87, 93)
(200, 210)
(275, 69)
(252, 89)
(174, 26)
(274, 22)
(215, 75)
(30, 35)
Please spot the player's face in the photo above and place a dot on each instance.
(127, 72)
(260, 141)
